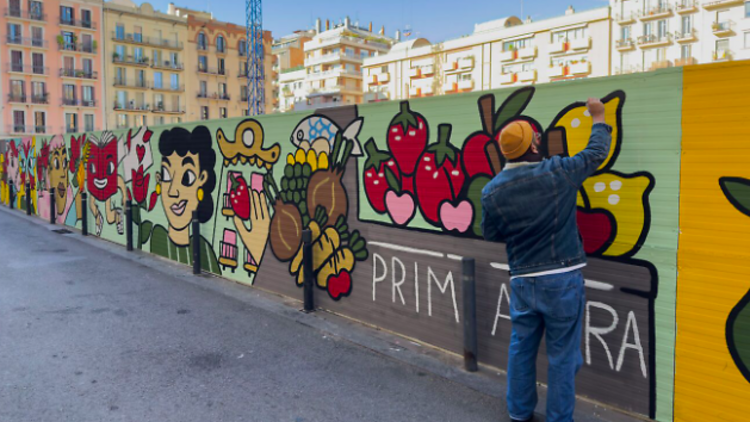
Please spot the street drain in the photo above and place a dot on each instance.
(62, 231)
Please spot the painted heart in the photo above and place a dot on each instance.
(141, 150)
(596, 227)
(457, 217)
(400, 207)
(340, 285)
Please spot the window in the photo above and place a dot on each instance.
(120, 52)
(662, 28)
(202, 63)
(157, 57)
(19, 121)
(220, 45)
(88, 96)
(69, 94)
(37, 63)
(38, 93)
(223, 112)
(364, 54)
(204, 113)
(159, 120)
(202, 41)
(722, 45)
(37, 36)
(176, 103)
(138, 54)
(647, 29)
(174, 81)
(222, 70)
(122, 99)
(222, 90)
(14, 33)
(349, 51)
(36, 11)
(747, 9)
(86, 21)
(15, 8)
(687, 25)
(40, 122)
(88, 67)
(122, 121)
(120, 76)
(204, 88)
(140, 121)
(16, 61)
(625, 33)
(71, 122)
(88, 122)
(140, 78)
(685, 51)
(158, 80)
(523, 43)
(159, 101)
(120, 32)
(243, 92)
(174, 60)
(747, 39)
(138, 34)
(242, 47)
(18, 91)
(67, 15)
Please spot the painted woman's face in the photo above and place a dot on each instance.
(180, 180)
(58, 176)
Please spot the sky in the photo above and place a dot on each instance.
(436, 20)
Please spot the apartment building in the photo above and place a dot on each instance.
(144, 65)
(654, 34)
(217, 57)
(53, 68)
(499, 53)
(289, 60)
(333, 63)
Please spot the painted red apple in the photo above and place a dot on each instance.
(597, 229)
(340, 285)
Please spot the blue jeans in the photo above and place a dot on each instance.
(552, 306)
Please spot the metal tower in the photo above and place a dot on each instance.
(256, 93)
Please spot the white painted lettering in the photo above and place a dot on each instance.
(375, 278)
(448, 281)
(397, 285)
(498, 314)
(632, 322)
(598, 332)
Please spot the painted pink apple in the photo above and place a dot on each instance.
(458, 217)
(400, 207)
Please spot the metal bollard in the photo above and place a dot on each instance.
(84, 215)
(10, 194)
(470, 315)
(196, 244)
(129, 225)
(28, 199)
(307, 263)
(52, 206)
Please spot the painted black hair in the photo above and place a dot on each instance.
(198, 142)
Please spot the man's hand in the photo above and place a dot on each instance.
(596, 109)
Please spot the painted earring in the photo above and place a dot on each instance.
(158, 189)
(200, 194)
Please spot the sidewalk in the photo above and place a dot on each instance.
(485, 388)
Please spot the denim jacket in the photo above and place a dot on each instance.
(532, 208)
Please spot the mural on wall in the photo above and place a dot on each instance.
(104, 182)
(737, 192)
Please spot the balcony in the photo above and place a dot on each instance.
(450, 87)
(78, 23)
(427, 90)
(13, 13)
(414, 72)
(160, 108)
(625, 44)
(626, 70)
(17, 98)
(527, 53)
(415, 91)
(88, 103)
(653, 40)
(130, 106)
(212, 71)
(139, 39)
(662, 64)
(78, 74)
(169, 88)
(70, 128)
(428, 70)
(167, 65)
(77, 47)
(213, 96)
(126, 83)
(201, 47)
(527, 76)
(466, 63)
(580, 44)
(723, 29)
(26, 41)
(688, 61)
(686, 37)
(625, 18)
(466, 85)
(130, 60)
(685, 7)
(507, 78)
(40, 99)
(27, 69)
(722, 55)
(580, 68)
(558, 71)
(722, 4)
(508, 56)
(22, 129)
(657, 12)
(70, 102)
(558, 47)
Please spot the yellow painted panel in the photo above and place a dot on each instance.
(714, 249)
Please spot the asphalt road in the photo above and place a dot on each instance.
(87, 335)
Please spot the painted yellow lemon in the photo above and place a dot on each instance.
(624, 196)
(577, 122)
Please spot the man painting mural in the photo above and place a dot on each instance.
(531, 206)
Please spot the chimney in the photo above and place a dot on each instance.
(382, 30)
(317, 26)
(570, 10)
(347, 22)
(328, 24)
(398, 35)
(370, 27)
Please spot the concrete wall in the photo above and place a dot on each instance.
(389, 235)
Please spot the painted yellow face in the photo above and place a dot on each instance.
(180, 180)
(58, 177)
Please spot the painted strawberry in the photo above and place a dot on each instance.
(381, 172)
(440, 176)
(407, 138)
(240, 197)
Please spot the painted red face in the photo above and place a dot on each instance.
(102, 170)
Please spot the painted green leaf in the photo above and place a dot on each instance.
(136, 215)
(737, 191)
(475, 197)
(145, 231)
(514, 105)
